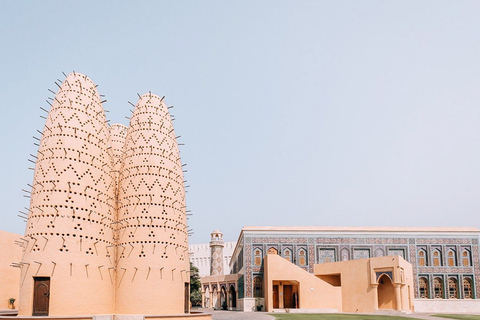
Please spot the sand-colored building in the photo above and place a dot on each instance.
(364, 285)
(10, 243)
(106, 230)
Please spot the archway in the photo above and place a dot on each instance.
(223, 297)
(386, 293)
(233, 297)
(207, 298)
(215, 298)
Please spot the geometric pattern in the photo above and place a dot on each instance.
(340, 248)
(107, 205)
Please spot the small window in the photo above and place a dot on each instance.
(438, 288)
(452, 288)
(258, 257)
(272, 250)
(302, 260)
(423, 288)
(451, 260)
(466, 260)
(437, 258)
(287, 254)
(467, 288)
(422, 258)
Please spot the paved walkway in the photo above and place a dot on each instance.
(239, 315)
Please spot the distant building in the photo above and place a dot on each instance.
(201, 255)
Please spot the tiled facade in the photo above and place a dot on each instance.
(449, 268)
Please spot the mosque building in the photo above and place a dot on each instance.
(329, 269)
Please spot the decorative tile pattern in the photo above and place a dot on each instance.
(279, 240)
(248, 269)
(444, 241)
(323, 240)
(476, 263)
(346, 248)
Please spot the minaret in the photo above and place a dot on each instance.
(68, 261)
(216, 257)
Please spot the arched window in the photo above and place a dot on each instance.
(287, 254)
(258, 287)
(258, 257)
(467, 288)
(437, 258)
(451, 259)
(302, 259)
(438, 288)
(466, 260)
(452, 288)
(422, 257)
(423, 287)
(272, 250)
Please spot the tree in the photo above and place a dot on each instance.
(195, 286)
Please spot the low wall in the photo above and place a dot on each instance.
(249, 304)
(447, 305)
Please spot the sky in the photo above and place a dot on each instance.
(293, 113)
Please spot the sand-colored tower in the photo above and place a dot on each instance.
(216, 253)
(69, 254)
(153, 264)
(106, 231)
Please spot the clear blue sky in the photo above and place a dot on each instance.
(341, 113)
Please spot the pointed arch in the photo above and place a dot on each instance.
(466, 258)
(451, 257)
(287, 254)
(437, 257)
(422, 257)
(452, 288)
(467, 288)
(424, 292)
(438, 288)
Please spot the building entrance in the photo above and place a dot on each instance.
(41, 296)
(386, 293)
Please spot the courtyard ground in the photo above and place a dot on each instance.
(237, 315)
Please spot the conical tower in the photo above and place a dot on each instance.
(68, 260)
(153, 263)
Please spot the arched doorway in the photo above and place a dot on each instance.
(233, 297)
(207, 298)
(386, 293)
(215, 298)
(223, 297)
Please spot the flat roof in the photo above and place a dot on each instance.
(361, 229)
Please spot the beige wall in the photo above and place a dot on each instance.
(447, 305)
(313, 292)
(9, 276)
(359, 283)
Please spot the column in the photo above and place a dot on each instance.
(398, 297)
